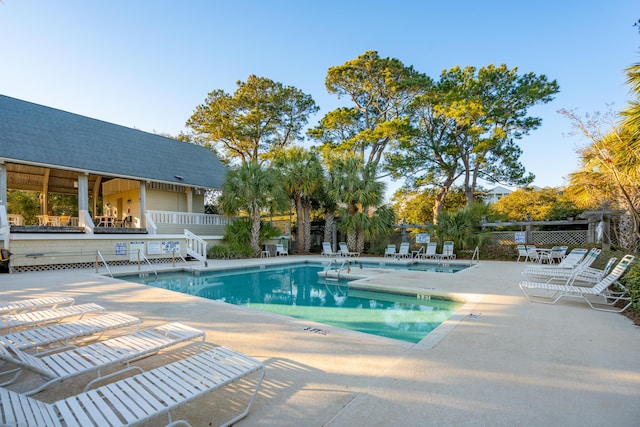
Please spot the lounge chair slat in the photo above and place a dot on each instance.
(34, 304)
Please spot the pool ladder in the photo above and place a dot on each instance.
(339, 268)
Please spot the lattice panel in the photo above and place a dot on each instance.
(571, 238)
(503, 237)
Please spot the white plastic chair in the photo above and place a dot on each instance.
(281, 251)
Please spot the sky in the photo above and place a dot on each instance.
(148, 64)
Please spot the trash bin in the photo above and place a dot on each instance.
(5, 257)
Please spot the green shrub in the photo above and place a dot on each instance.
(631, 281)
(218, 252)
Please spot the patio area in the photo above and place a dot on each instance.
(500, 361)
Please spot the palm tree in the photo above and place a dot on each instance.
(302, 176)
(632, 112)
(252, 189)
(358, 194)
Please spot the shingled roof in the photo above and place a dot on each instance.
(43, 136)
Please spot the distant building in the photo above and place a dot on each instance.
(496, 193)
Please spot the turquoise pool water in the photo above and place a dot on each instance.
(297, 291)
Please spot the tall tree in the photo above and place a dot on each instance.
(466, 128)
(252, 189)
(302, 176)
(258, 120)
(381, 90)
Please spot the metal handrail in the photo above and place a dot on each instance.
(148, 262)
(476, 255)
(99, 255)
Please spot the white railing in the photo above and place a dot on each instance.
(84, 220)
(196, 246)
(186, 218)
(152, 228)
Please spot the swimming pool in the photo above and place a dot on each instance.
(298, 291)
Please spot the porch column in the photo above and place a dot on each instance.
(83, 202)
(83, 192)
(44, 194)
(189, 191)
(3, 184)
(143, 204)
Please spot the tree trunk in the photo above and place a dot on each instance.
(329, 225)
(352, 240)
(307, 229)
(360, 240)
(255, 232)
(300, 224)
(439, 203)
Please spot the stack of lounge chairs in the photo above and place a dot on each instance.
(601, 289)
(41, 337)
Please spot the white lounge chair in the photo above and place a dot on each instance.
(581, 275)
(140, 398)
(34, 304)
(403, 252)
(92, 327)
(344, 250)
(327, 250)
(37, 318)
(92, 358)
(564, 269)
(554, 292)
(281, 251)
(430, 252)
(390, 251)
(447, 250)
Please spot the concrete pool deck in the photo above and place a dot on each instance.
(501, 361)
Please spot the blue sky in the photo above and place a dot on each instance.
(148, 64)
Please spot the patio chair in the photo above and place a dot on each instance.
(430, 252)
(327, 250)
(554, 292)
(93, 358)
(556, 253)
(281, 251)
(34, 304)
(32, 319)
(522, 253)
(140, 398)
(92, 327)
(344, 250)
(533, 255)
(403, 252)
(390, 251)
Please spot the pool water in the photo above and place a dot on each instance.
(297, 291)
